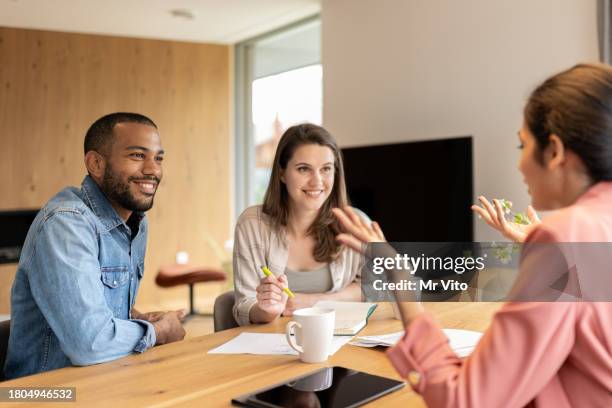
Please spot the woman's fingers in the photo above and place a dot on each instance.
(274, 287)
(351, 242)
(487, 206)
(268, 302)
(345, 222)
(495, 215)
(352, 215)
(270, 291)
(350, 226)
(364, 224)
(274, 280)
(490, 209)
(500, 215)
(484, 214)
(378, 231)
(282, 279)
(269, 297)
(264, 304)
(360, 228)
(267, 280)
(358, 231)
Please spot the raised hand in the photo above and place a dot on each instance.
(358, 234)
(494, 215)
(358, 231)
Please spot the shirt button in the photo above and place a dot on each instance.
(114, 282)
(414, 378)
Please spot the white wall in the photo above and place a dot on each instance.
(399, 70)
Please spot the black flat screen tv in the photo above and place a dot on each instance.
(417, 191)
(13, 232)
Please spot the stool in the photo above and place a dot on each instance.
(174, 275)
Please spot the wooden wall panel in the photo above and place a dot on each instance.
(54, 85)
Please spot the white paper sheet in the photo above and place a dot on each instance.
(462, 342)
(267, 343)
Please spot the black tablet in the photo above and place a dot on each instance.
(330, 387)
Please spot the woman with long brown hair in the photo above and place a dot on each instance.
(536, 352)
(293, 233)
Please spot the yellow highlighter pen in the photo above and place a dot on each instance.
(267, 272)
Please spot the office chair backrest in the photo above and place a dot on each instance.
(222, 312)
(5, 330)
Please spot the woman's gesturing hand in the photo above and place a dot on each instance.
(494, 215)
(358, 231)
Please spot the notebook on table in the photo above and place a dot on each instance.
(351, 317)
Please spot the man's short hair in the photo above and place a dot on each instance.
(99, 136)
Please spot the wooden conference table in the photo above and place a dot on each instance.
(184, 375)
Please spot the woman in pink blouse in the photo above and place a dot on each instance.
(545, 354)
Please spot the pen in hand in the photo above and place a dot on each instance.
(267, 272)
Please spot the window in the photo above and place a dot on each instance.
(279, 101)
(278, 84)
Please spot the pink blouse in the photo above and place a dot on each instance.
(542, 354)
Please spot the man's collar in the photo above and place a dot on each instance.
(100, 205)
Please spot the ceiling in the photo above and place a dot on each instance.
(208, 21)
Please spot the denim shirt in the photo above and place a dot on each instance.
(76, 283)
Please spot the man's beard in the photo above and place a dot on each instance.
(119, 192)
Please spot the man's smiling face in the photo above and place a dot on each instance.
(133, 167)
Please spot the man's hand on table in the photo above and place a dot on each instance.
(168, 325)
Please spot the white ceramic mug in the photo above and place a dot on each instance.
(314, 331)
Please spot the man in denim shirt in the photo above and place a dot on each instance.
(81, 264)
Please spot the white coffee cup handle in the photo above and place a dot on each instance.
(292, 343)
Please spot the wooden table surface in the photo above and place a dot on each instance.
(184, 375)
